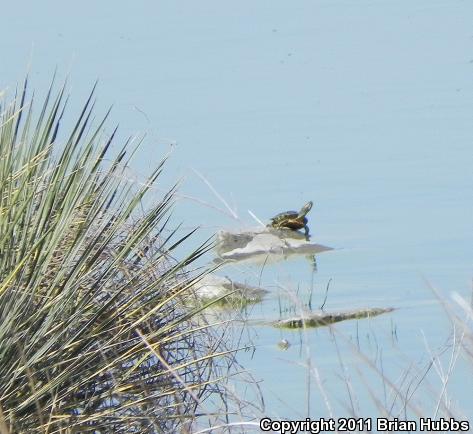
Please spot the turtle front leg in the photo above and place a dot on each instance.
(306, 231)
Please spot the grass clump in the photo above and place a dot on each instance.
(92, 334)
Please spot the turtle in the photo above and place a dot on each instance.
(292, 219)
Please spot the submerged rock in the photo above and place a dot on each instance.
(284, 344)
(322, 318)
(264, 244)
(212, 287)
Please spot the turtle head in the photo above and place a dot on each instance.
(305, 209)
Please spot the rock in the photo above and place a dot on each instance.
(212, 287)
(322, 318)
(264, 244)
(283, 344)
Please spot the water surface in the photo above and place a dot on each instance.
(363, 107)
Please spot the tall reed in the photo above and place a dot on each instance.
(93, 336)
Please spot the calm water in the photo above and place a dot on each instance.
(364, 107)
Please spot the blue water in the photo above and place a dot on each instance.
(363, 107)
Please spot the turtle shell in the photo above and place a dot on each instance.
(289, 219)
(286, 215)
